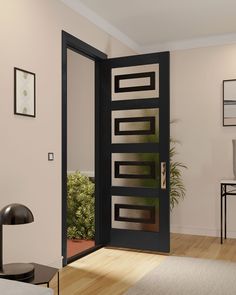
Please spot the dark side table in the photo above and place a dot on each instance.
(227, 188)
(44, 274)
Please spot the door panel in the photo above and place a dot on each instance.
(135, 82)
(135, 213)
(135, 169)
(135, 126)
(135, 114)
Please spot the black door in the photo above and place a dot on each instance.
(134, 152)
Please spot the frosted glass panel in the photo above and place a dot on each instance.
(135, 170)
(135, 126)
(135, 213)
(135, 82)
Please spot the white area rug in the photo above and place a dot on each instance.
(188, 276)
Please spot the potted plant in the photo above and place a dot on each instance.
(80, 207)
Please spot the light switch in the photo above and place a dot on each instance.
(50, 156)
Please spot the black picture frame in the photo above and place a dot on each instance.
(229, 102)
(24, 93)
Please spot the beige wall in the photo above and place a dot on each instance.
(30, 33)
(206, 146)
(80, 113)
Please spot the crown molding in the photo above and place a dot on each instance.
(209, 41)
(100, 22)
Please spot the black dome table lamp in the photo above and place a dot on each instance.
(10, 215)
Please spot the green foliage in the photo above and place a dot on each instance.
(177, 188)
(80, 207)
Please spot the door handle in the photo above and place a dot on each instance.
(163, 175)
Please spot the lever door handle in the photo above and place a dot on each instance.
(163, 175)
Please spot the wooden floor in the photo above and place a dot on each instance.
(203, 247)
(113, 271)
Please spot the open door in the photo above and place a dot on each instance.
(134, 152)
(131, 149)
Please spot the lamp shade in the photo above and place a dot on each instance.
(16, 214)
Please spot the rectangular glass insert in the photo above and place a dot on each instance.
(138, 126)
(135, 126)
(135, 169)
(135, 213)
(135, 82)
(126, 212)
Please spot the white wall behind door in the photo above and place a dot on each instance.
(206, 146)
(80, 113)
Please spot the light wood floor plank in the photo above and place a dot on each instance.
(113, 271)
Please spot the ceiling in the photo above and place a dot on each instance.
(149, 25)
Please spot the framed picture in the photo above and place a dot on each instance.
(24, 93)
(229, 102)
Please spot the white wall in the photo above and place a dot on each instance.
(30, 33)
(196, 99)
(80, 113)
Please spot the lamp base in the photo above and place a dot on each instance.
(17, 271)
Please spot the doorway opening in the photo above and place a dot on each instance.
(80, 153)
(131, 162)
(80, 148)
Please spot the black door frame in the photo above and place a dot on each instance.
(71, 42)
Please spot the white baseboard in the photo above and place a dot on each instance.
(189, 230)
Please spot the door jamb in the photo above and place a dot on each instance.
(71, 42)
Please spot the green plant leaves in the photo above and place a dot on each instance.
(177, 188)
(80, 207)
